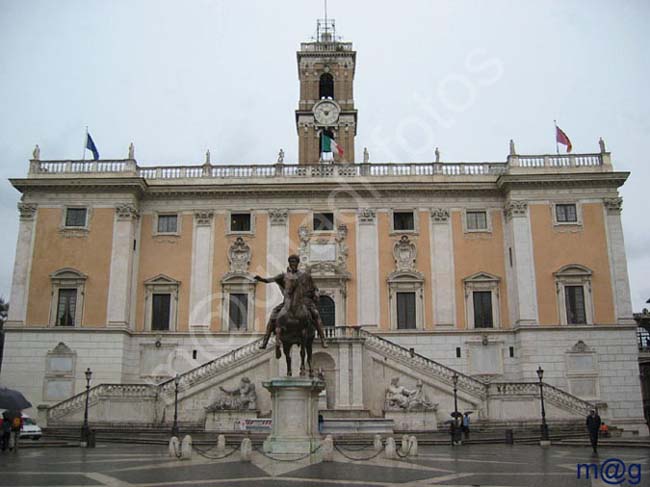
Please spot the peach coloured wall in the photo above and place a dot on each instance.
(479, 252)
(168, 255)
(555, 247)
(90, 255)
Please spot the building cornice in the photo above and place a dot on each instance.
(507, 182)
(125, 184)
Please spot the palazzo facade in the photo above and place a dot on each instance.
(491, 269)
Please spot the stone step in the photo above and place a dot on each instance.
(347, 426)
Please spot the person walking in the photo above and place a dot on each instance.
(6, 430)
(16, 425)
(466, 425)
(593, 426)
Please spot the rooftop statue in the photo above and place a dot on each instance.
(36, 155)
(366, 155)
(131, 151)
(281, 156)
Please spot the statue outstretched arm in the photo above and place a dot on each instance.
(269, 280)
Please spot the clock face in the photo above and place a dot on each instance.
(326, 112)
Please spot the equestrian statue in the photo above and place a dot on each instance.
(296, 320)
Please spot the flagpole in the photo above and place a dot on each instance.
(83, 155)
(557, 147)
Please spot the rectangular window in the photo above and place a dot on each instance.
(238, 310)
(240, 222)
(575, 305)
(406, 311)
(75, 217)
(323, 222)
(477, 220)
(161, 306)
(403, 220)
(66, 308)
(566, 213)
(483, 309)
(167, 223)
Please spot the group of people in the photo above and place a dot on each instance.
(10, 425)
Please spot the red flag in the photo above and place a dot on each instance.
(563, 138)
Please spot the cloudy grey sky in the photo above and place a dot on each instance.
(178, 77)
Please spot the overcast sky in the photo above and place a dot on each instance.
(179, 77)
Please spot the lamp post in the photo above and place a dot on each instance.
(456, 436)
(544, 427)
(85, 430)
(175, 425)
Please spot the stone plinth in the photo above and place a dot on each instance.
(413, 420)
(228, 420)
(295, 414)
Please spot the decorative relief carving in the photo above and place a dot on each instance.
(203, 217)
(278, 216)
(27, 210)
(439, 215)
(516, 208)
(613, 205)
(580, 347)
(126, 212)
(404, 252)
(367, 216)
(318, 256)
(239, 256)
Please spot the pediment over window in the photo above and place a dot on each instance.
(61, 349)
(481, 277)
(161, 279)
(405, 276)
(573, 270)
(68, 273)
(237, 278)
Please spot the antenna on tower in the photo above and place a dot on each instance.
(325, 28)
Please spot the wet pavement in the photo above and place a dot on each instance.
(469, 465)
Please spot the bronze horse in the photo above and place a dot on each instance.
(294, 324)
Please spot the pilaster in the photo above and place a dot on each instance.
(442, 268)
(522, 262)
(367, 268)
(119, 288)
(22, 265)
(201, 276)
(277, 254)
(618, 261)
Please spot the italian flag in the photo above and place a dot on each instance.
(330, 145)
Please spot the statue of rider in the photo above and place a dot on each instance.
(311, 299)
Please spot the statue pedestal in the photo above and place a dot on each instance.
(422, 420)
(295, 414)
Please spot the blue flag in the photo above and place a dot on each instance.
(90, 145)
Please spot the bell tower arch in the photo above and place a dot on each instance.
(326, 119)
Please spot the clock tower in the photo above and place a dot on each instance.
(326, 107)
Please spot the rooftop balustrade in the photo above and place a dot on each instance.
(599, 162)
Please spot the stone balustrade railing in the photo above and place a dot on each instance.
(129, 167)
(441, 372)
(325, 46)
(209, 369)
(552, 395)
(78, 401)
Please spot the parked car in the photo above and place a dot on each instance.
(30, 429)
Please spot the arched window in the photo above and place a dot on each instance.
(327, 310)
(326, 86)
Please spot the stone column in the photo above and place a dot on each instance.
(344, 377)
(118, 310)
(442, 268)
(201, 277)
(618, 261)
(523, 263)
(276, 255)
(367, 268)
(357, 375)
(22, 265)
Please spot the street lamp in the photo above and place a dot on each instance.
(544, 427)
(85, 430)
(175, 426)
(456, 436)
